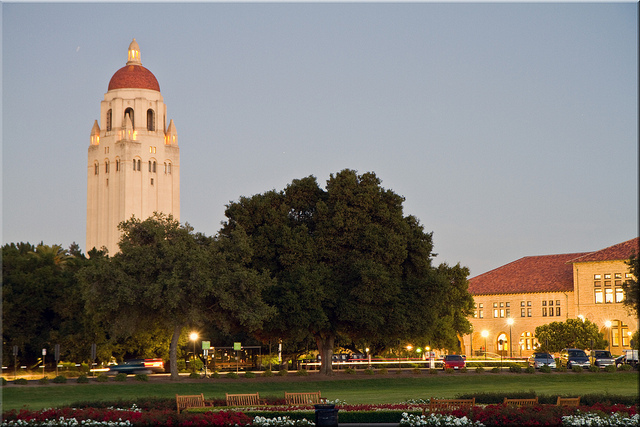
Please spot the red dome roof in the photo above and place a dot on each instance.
(133, 77)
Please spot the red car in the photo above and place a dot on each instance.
(453, 361)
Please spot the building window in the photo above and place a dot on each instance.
(495, 312)
(617, 276)
(619, 295)
(106, 166)
(151, 120)
(597, 277)
(480, 314)
(508, 312)
(557, 311)
(598, 296)
(136, 164)
(528, 312)
(495, 305)
(152, 149)
(557, 302)
(117, 165)
(544, 303)
(109, 121)
(154, 167)
(169, 166)
(544, 311)
(528, 303)
(550, 311)
(501, 304)
(151, 181)
(607, 276)
(129, 112)
(481, 305)
(501, 312)
(522, 312)
(608, 296)
(521, 303)
(507, 304)
(551, 302)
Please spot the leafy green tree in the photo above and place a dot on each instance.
(572, 333)
(349, 263)
(166, 276)
(631, 288)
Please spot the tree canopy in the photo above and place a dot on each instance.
(166, 276)
(347, 261)
(572, 333)
(631, 289)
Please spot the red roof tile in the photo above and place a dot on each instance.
(134, 76)
(546, 273)
(621, 251)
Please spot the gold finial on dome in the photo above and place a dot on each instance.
(134, 54)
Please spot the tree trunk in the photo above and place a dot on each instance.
(173, 352)
(325, 348)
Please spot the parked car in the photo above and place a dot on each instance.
(538, 360)
(138, 366)
(629, 357)
(453, 361)
(571, 357)
(601, 358)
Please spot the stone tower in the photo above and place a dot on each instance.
(133, 166)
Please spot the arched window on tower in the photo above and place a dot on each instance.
(106, 166)
(95, 168)
(151, 120)
(129, 112)
(109, 120)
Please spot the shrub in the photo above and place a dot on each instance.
(249, 374)
(21, 381)
(594, 368)
(516, 369)
(417, 371)
(214, 375)
(142, 377)
(43, 380)
(102, 378)
(302, 372)
(120, 376)
(532, 370)
(576, 368)
(194, 375)
(399, 371)
(232, 375)
(369, 371)
(433, 371)
(625, 368)
(449, 370)
(4, 381)
(283, 373)
(82, 379)
(546, 369)
(479, 370)
(610, 368)
(60, 379)
(383, 371)
(464, 370)
(267, 373)
(350, 371)
(496, 370)
(497, 397)
(561, 368)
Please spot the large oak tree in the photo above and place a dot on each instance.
(167, 276)
(348, 262)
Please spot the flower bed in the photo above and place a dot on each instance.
(405, 414)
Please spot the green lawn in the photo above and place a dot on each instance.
(379, 389)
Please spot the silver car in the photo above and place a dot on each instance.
(538, 360)
(601, 358)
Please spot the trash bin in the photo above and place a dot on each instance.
(326, 415)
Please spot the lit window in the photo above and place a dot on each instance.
(557, 302)
(608, 295)
(628, 275)
(521, 303)
(528, 312)
(597, 277)
(480, 305)
(522, 312)
(507, 304)
(619, 295)
(480, 315)
(607, 276)
(508, 312)
(557, 311)
(501, 304)
(598, 296)
(495, 312)
(618, 276)
(495, 305)
(501, 312)
(528, 303)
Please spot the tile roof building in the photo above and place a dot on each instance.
(512, 300)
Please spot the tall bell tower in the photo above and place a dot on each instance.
(133, 166)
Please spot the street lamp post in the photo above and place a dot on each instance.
(607, 324)
(510, 322)
(194, 337)
(485, 334)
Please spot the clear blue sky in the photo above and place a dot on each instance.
(510, 129)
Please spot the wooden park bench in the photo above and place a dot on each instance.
(520, 402)
(252, 399)
(450, 404)
(304, 398)
(568, 401)
(192, 401)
